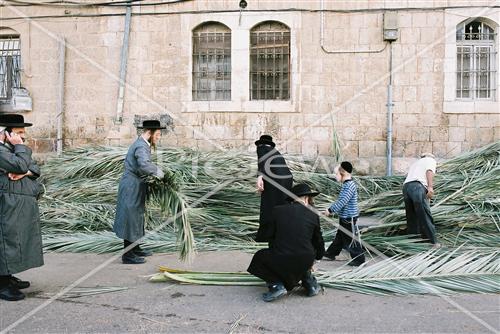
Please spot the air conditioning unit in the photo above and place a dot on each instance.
(21, 100)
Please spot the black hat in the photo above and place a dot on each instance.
(13, 121)
(303, 189)
(265, 140)
(151, 124)
(347, 166)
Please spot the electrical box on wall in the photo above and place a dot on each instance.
(21, 100)
(391, 26)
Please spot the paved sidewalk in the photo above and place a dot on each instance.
(172, 308)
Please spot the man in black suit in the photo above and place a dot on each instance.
(296, 241)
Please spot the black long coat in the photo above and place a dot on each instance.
(296, 241)
(271, 165)
(20, 235)
(131, 206)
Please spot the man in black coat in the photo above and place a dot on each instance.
(295, 242)
(130, 207)
(274, 176)
(20, 234)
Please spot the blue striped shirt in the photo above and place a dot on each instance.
(346, 205)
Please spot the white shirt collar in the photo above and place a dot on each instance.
(149, 144)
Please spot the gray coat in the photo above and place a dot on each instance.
(20, 236)
(130, 209)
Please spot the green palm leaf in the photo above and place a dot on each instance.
(431, 272)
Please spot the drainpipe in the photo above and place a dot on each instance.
(60, 104)
(123, 65)
(390, 104)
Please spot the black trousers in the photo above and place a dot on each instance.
(418, 211)
(345, 241)
(4, 281)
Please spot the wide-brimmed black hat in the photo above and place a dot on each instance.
(13, 121)
(265, 140)
(152, 125)
(303, 189)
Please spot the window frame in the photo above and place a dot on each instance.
(475, 46)
(210, 77)
(284, 94)
(10, 78)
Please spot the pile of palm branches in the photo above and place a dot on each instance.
(212, 195)
(207, 202)
(209, 197)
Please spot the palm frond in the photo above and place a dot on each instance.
(426, 273)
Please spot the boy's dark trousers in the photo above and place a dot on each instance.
(344, 241)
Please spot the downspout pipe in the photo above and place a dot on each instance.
(123, 65)
(389, 90)
(390, 105)
(60, 103)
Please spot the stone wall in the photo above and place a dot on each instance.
(342, 92)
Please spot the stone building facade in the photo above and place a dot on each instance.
(336, 75)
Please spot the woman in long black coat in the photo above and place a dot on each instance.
(274, 176)
(296, 241)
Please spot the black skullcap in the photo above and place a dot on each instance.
(347, 166)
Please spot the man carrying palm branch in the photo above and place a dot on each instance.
(132, 191)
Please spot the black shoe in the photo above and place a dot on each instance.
(142, 252)
(275, 291)
(11, 293)
(313, 291)
(354, 263)
(18, 283)
(328, 257)
(132, 259)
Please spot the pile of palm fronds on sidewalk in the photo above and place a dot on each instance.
(208, 197)
(207, 201)
(213, 195)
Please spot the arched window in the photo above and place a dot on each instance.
(270, 61)
(10, 62)
(475, 60)
(211, 62)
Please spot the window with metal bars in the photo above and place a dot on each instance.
(270, 62)
(212, 62)
(475, 61)
(10, 65)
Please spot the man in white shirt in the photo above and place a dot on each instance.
(417, 191)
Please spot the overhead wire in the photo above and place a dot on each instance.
(59, 3)
(222, 11)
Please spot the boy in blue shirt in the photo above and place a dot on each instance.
(346, 207)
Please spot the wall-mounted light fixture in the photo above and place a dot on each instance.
(243, 4)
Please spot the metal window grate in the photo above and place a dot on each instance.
(10, 66)
(212, 63)
(270, 62)
(475, 31)
(475, 61)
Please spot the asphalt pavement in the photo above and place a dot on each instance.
(145, 307)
